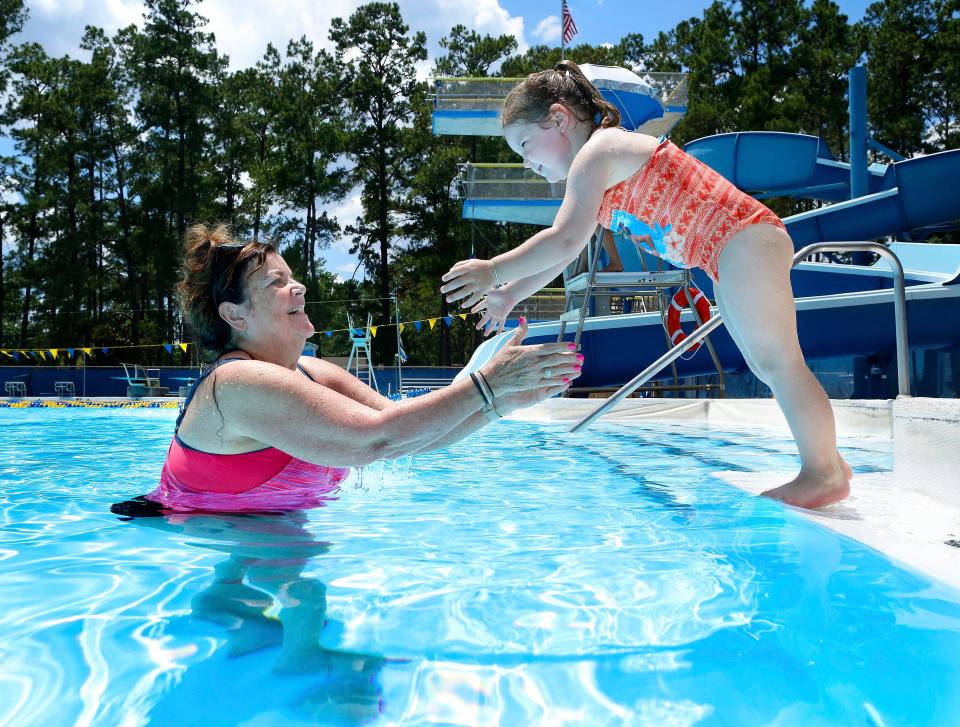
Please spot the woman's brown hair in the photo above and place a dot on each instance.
(529, 101)
(215, 269)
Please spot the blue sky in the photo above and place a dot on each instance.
(608, 20)
(244, 27)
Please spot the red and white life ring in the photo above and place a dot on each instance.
(677, 304)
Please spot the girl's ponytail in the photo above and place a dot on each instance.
(531, 99)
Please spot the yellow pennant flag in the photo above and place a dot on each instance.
(53, 352)
(7, 354)
(183, 347)
(43, 355)
(462, 315)
(88, 351)
(432, 322)
(373, 331)
(401, 327)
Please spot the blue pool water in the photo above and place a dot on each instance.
(526, 576)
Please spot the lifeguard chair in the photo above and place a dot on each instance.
(359, 362)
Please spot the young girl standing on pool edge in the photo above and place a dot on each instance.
(564, 129)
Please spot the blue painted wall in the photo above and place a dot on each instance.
(87, 381)
(109, 380)
(935, 373)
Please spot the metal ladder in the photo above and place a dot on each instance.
(590, 282)
(899, 314)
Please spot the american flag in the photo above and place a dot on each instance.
(569, 27)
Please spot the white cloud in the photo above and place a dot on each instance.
(244, 27)
(346, 213)
(548, 29)
(58, 25)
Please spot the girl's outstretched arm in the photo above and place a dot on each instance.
(469, 280)
(495, 308)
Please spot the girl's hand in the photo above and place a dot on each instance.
(516, 368)
(493, 310)
(468, 281)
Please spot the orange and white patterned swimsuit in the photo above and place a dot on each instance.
(678, 208)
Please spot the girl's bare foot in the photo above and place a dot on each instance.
(847, 469)
(816, 490)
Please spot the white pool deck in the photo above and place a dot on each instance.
(911, 515)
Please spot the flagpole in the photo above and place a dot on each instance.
(562, 45)
(396, 308)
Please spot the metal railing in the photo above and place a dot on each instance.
(510, 181)
(900, 323)
(487, 94)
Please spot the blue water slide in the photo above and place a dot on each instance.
(915, 195)
(923, 201)
(775, 163)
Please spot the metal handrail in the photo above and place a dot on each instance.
(899, 313)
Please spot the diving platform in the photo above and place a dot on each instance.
(652, 103)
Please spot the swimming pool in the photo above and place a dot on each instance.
(526, 576)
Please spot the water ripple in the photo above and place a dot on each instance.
(526, 576)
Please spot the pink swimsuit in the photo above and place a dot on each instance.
(678, 208)
(266, 479)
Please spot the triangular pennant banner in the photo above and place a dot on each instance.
(43, 355)
(16, 356)
(7, 354)
(104, 350)
(432, 322)
(54, 352)
(402, 327)
(417, 325)
(168, 347)
(88, 351)
(373, 331)
(183, 347)
(462, 315)
(328, 333)
(449, 321)
(71, 352)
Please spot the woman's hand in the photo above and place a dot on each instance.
(468, 281)
(517, 368)
(522, 399)
(494, 310)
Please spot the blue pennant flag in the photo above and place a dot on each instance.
(70, 352)
(169, 347)
(417, 324)
(16, 356)
(105, 350)
(328, 333)
(449, 321)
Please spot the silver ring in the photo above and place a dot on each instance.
(548, 373)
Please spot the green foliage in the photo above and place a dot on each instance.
(381, 91)
(115, 156)
(470, 54)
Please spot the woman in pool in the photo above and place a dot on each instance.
(652, 191)
(266, 429)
